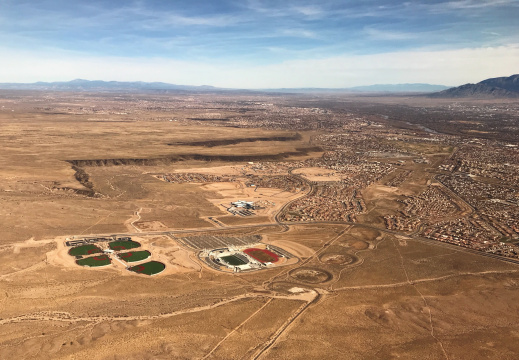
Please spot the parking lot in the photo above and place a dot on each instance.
(214, 242)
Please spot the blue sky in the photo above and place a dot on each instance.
(260, 43)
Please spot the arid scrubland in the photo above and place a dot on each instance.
(395, 219)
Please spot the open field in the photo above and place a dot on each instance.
(399, 277)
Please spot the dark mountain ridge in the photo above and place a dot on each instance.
(500, 87)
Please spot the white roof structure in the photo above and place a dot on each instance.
(242, 203)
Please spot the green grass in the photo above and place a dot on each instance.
(94, 261)
(123, 245)
(149, 268)
(84, 250)
(134, 256)
(233, 260)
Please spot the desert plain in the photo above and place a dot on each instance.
(388, 255)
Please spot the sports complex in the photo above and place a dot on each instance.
(229, 254)
(100, 252)
(243, 259)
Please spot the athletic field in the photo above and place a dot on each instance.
(262, 255)
(95, 261)
(149, 268)
(85, 250)
(134, 256)
(233, 260)
(123, 245)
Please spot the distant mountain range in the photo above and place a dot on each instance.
(378, 88)
(400, 88)
(99, 85)
(501, 87)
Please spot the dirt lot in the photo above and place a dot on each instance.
(318, 174)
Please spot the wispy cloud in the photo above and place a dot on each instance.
(476, 4)
(377, 34)
(217, 21)
(258, 6)
(452, 67)
(302, 33)
(462, 5)
(280, 9)
(493, 33)
(309, 10)
(259, 32)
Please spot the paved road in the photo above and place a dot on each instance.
(284, 207)
(288, 225)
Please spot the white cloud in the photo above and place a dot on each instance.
(258, 7)
(473, 4)
(376, 34)
(280, 10)
(462, 5)
(448, 67)
(201, 20)
(308, 10)
(300, 33)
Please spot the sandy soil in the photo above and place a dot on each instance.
(293, 247)
(150, 226)
(318, 174)
(233, 170)
(360, 294)
(271, 199)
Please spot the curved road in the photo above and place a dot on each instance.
(284, 207)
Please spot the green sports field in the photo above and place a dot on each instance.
(123, 245)
(94, 261)
(233, 260)
(85, 250)
(134, 256)
(149, 268)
